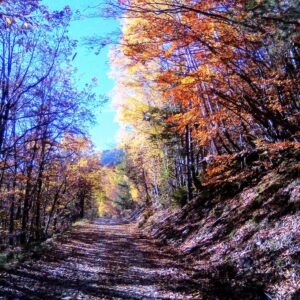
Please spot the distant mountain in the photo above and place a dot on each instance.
(112, 157)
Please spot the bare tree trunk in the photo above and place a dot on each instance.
(188, 164)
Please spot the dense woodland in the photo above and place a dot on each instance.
(200, 83)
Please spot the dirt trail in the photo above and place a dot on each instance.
(104, 260)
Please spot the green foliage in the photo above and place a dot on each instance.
(256, 219)
(179, 197)
(3, 259)
(123, 198)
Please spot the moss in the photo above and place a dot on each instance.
(257, 219)
(259, 201)
(279, 264)
(3, 259)
(8, 260)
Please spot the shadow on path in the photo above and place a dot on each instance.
(108, 259)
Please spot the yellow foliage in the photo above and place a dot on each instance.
(188, 80)
(134, 192)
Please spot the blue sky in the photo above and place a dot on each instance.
(90, 65)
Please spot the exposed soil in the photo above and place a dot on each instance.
(108, 259)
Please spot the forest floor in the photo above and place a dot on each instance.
(237, 240)
(242, 229)
(107, 259)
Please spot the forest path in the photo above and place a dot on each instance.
(107, 259)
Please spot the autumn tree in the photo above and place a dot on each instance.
(218, 76)
(39, 108)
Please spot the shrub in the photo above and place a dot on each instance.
(179, 197)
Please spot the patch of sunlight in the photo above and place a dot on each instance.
(81, 222)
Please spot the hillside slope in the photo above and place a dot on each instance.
(112, 157)
(243, 228)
